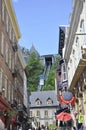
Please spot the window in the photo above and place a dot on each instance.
(64, 73)
(2, 10)
(38, 124)
(0, 80)
(9, 88)
(38, 114)
(46, 124)
(13, 36)
(73, 52)
(6, 53)
(2, 43)
(10, 59)
(6, 22)
(31, 114)
(82, 28)
(77, 41)
(46, 113)
(49, 101)
(54, 123)
(13, 63)
(38, 102)
(70, 60)
(5, 86)
(10, 31)
(11, 93)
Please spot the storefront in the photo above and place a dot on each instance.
(6, 111)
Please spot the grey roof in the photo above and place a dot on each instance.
(32, 49)
(43, 96)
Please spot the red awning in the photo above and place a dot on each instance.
(2, 107)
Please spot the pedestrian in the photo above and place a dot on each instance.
(80, 121)
(39, 128)
(76, 117)
(73, 128)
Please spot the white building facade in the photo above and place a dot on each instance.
(43, 107)
(75, 55)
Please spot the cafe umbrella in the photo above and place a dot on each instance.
(64, 116)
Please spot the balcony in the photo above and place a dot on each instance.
(80, 68)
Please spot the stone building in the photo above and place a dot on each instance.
(74, 55)
(43, 105)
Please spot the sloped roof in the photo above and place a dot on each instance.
(43, 97)
(33, 49)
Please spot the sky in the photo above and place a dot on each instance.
(39, 22)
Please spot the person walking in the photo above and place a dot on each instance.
(73, 128)
(76, 119)
(80, 121)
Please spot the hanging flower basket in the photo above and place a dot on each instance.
(10, 114)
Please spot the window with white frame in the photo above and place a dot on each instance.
(1, 79)
(31, 113)
(46, 113)
(49, 101)
(78, 48)
(10, 31)
(13, 37)
(38, 113)
(73, 52)
(54, 122)
(6, 53)
(77, 41)
(2, 43)
(12, 89)
(46, 123)
(15, 57)
(64, 72)
(2, 10)
(38, 102)
(70, 60)
(6, 22)
(82, 28)
(13, 63)
(5, 94)
(10, 59)
(9, 88)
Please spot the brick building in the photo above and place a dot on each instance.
(11, 65)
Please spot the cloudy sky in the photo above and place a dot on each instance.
(39, 22)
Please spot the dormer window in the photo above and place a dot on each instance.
(38, 102)
(49, 101)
